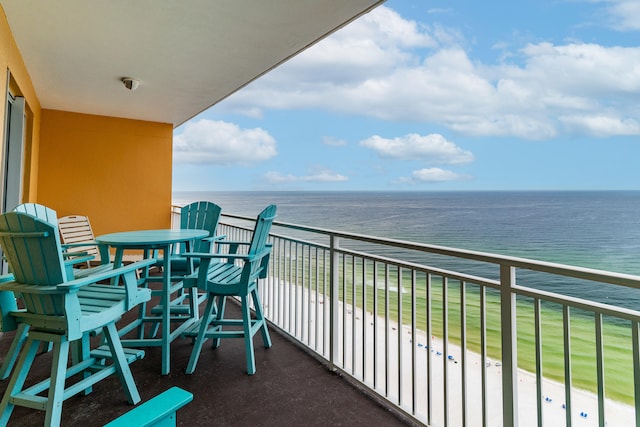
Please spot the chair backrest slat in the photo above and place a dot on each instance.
(262, 228)
(32, 248)
(39, 211)
(77, 229)
(201, 215)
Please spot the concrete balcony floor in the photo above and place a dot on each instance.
(289, 388)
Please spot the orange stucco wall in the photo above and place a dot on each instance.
(115, 171)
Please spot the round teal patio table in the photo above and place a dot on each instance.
(151, 241)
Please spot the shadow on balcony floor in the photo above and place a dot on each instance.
(289, 388)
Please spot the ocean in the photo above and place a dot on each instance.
(594, 229)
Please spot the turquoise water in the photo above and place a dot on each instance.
(590, 229)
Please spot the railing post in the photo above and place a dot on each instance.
(334, 292)
(509, 346)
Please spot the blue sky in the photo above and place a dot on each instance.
(433, 95)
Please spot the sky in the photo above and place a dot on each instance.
(436, 95)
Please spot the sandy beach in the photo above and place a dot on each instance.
(400, 346)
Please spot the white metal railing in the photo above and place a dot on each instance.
(441, 344)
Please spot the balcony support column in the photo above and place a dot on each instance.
(509, 346)
(334, 295)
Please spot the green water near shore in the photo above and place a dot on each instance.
(616, 343)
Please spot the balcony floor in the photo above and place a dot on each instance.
(289, 388)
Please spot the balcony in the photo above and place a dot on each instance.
(289, 388)
(376, 331)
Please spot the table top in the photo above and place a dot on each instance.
(150, 238)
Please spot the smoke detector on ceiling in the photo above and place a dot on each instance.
(129, 83)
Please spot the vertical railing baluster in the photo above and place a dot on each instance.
(429, 331)
(317, 295)
(386, 329)
(509, 346)
(364, 320)
(399, 373)
(326, 306)
(344, 311)
(463, 349)
(353, 315)
(296, 290)
(537, 324)
(278, 296)
(309, 264)
(566, 326)
(414, 346)
(445, 348)
(290, 289)
(483, 354)
(334, 336)
(375, 325)
(600, 368)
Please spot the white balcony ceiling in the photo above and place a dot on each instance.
(187, 55)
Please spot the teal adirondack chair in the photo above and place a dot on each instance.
(202, 215)
(244, 264)
(8, 299)
(64, 311)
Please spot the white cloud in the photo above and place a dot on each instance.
(395, 69)
(320, 176)
(602, 125)
(432, 148)
(625, 14)
(432, 175)
(221, 143)
(333, 142)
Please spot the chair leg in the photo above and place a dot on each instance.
(201, 337)
(222, 303)
(257, 307)
(248, 337)
(17, 379)
(80, 350)
(56, 387)
(12, 355)
(121, 365)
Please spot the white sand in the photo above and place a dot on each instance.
(617, 414)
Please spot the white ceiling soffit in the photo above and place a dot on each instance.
(187, 55)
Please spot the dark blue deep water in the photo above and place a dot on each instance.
(599, 229)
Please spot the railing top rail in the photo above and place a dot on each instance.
(623, 279)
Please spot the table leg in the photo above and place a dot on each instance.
(166, 309)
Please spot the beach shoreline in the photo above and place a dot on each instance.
(396, 380)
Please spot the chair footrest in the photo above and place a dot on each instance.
(132, 354)
(192, 330)
(174, 308)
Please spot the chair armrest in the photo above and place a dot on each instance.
(210, 255)
(155, 411)
(215, 238)
(72, 259)
(233, 242)
(106, 274)
(77, 245)
(74, 285)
